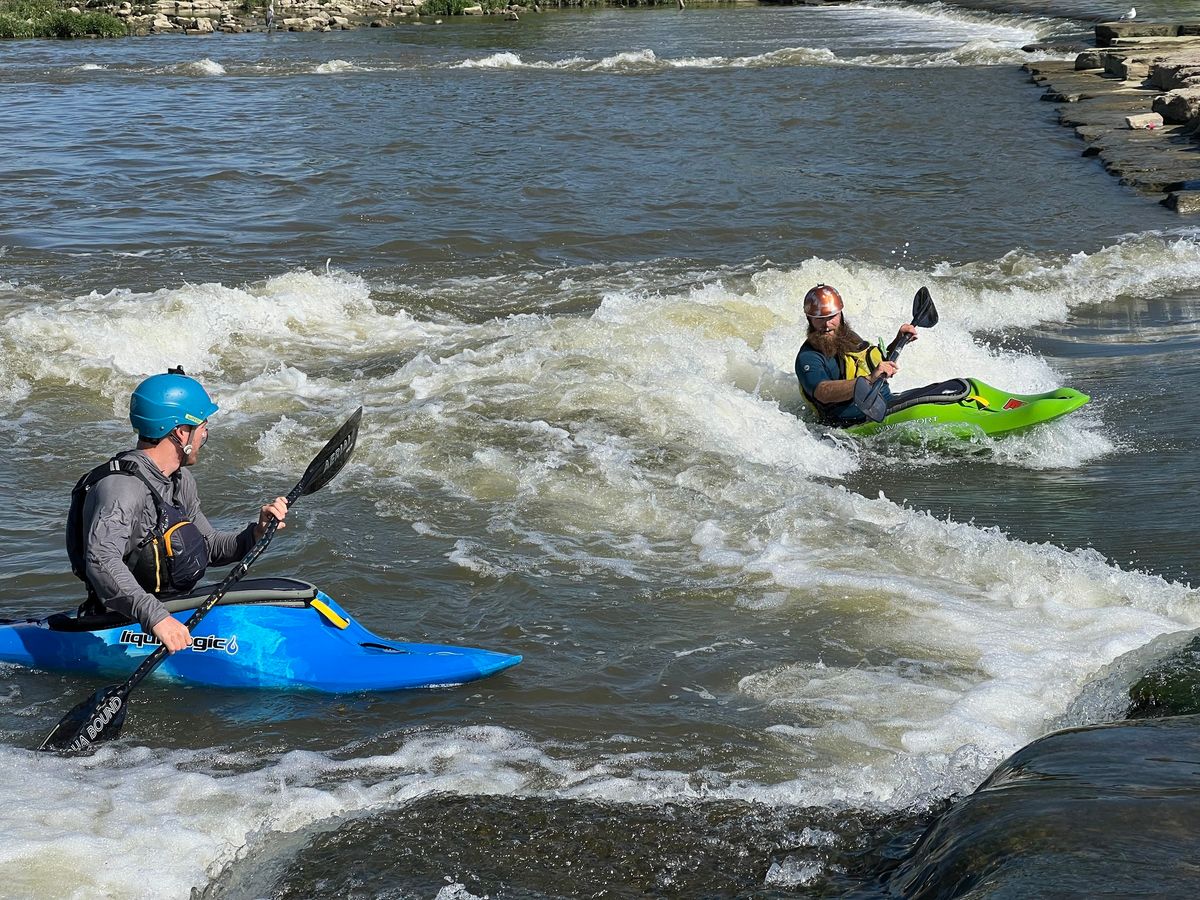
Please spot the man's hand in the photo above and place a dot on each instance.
(884, 370)
(172, 634)
(276, 509)
(909, 329)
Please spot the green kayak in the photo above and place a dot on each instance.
(975, 408)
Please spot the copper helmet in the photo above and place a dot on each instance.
(822, 302)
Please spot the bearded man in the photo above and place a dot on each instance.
(833, 356)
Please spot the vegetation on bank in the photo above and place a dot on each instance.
(52, 19)
(456, 7)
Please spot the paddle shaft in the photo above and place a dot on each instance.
(870, 400)
(868, 396)
(900, 344)
(151, 662)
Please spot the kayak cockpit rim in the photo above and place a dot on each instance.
(251, 591)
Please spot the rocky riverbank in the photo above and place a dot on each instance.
(201, 17)
(1135, 100)
(198, 17)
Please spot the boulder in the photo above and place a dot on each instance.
(1171, 72)
(1053, 95)
(1089, 59)
(1106, 32)
(1179, 107)
(1144, 121)
(1127, 68)
(162, 25)
(1184, 202)
(473, 11)
(1043, 47)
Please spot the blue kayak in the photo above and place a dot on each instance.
(277, 633)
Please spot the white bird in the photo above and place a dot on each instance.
(1129, 16)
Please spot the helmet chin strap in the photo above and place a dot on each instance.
(185, 449)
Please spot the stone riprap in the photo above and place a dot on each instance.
(198, 17)
(1135, 100)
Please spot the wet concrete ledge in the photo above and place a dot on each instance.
(1135, 100)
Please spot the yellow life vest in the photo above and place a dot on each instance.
(860, 362)
(863, 361)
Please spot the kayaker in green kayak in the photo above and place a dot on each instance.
(137, 538)
(833, 356)
(845, 380)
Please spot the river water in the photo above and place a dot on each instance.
(560, 263)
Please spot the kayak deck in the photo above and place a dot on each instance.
(276, 633)
(985, 410)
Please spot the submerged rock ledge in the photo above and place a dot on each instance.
(1135, 99)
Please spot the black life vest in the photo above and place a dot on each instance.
(171, 559)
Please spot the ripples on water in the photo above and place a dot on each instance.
(566, 262)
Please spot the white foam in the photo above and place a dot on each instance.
(989, 639)
(630, 60)
(656, 435)
(509, 60)
(938, 16)
(787, 56)
(337, 67)
(456, 891)
(462, 556)
(794, 873)
(933, 35)
(109, 339)
(200, 816)
(205, 67)
(206, 810)
(975, 52)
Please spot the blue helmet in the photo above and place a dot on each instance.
(161, 402)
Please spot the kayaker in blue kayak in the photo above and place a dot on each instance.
(833, 356)
(134, 539)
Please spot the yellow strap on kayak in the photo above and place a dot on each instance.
(332, 617)
(982, 403)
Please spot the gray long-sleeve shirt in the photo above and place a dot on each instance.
(119, 513)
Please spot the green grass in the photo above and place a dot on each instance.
(50, 19)
(455, 7)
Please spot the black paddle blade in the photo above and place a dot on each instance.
(925, 314)
(97, 719)
(330, 460)
(869, 398)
